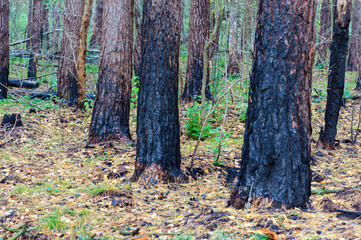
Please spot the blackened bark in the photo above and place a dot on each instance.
(110, 120)
(67, 72)
(158, 141)
(4, 47)
(325, 29)
(336, 76)
(95, 38)
(355, 37)
(198, 34)
(138, 39)
(277, 150)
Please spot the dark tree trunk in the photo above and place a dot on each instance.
(4, 47)
(277, 147)
(67, 72)
(138, 39)
(325, 29)
(355, 37)
(336, 76)
(36, 31)
(198, 34)
(110, 120)
(158, 141)
(95, 38)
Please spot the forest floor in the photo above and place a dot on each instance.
(49, 179)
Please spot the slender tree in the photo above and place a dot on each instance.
(138, 39)
(277, 148)
(198, 34)
(158, 141)
(336, 77)
(95, 39)
(355, 37)
(4, 47)
(235, 37)
(325, 29)
(67, 71)
(110, 121)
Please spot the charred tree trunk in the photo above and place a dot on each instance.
(36, 31)
(336, 77)
(355, 37)
(234, 38)
(158, 135)
(82, 53)
(4, 47)
(138, 39)
(325, 29)
(110, 121)
(67, 71)
(277, 148)
(95, 38)
(198, 34)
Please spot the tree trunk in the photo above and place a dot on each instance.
(67, 71)
(95, 38)
(36, 30)
(110, 121)
(198, 34)
(82, 53)
(355, 37)
(235, 31)
(336, 76)
(158, 146)
(4, 47)
(325, 30)
(277, 148)
(138, 39)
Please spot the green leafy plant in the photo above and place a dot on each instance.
(193, 123)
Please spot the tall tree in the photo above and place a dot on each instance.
(336, 76)
(235, 37)
(95, 38)
(158, 141)
(355, 37)
(325, 29)
(277, 148)
(67, 71)
(110, 121)
(138, 39)
(198, 34)
(36, 29)
(4, 47)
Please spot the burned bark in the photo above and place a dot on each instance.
(22, 83)
(4, 47)
(277, 147)
(325, 29)
(158, 134)
(110, 121)
(336, 77)
(95, 38)
(198, 35)
(355, 41)
(67, 71)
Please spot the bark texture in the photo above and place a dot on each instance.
(235, 37)
(276, 152)
(110, 120)
(336, 76)
(138, 39)
(67, 71)
(325, 29)
(198, 34)
(95, 38)
(82, 53)
(158, 141)
(4, 47)
(355, 42)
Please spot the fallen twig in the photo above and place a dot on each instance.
(132, 233)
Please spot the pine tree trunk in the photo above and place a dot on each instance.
(4, 47)
(277, 148)
(158, 146)
(138, 39)
(198, 34)
(110, 121)
(67, 71)
(95, 38)
(355, 37)
(234, 37)
(336, 76)
(325, 29)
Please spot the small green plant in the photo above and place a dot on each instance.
(193, 123)
(135, 91)
(19, 190)
(53, 221)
